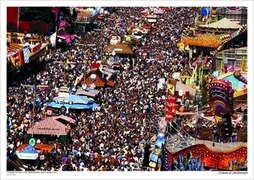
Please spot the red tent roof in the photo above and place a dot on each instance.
(49, 126)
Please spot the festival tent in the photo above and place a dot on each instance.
(48, 126)
(222, 24)
(119, 48)
(29, 153)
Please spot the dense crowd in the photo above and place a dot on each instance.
(112, 139)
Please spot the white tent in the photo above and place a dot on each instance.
(222, 24)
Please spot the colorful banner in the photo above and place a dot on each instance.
(170, 107)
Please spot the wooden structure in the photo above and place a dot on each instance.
(96, 77)
(118, 49)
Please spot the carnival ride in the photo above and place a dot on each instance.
(209, 154)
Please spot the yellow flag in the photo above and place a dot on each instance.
(217, 118)
(171, 88)
(244, 65)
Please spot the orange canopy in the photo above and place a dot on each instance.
(41, 147)
(205, 40)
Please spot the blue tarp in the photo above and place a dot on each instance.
(29, 149)
(73, 102)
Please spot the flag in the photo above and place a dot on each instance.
(170, 107)
(171, 88)
(171, 85)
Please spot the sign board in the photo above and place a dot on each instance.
(32, 142)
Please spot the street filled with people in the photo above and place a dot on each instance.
(114, 137)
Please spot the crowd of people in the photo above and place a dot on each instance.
(113, 138)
